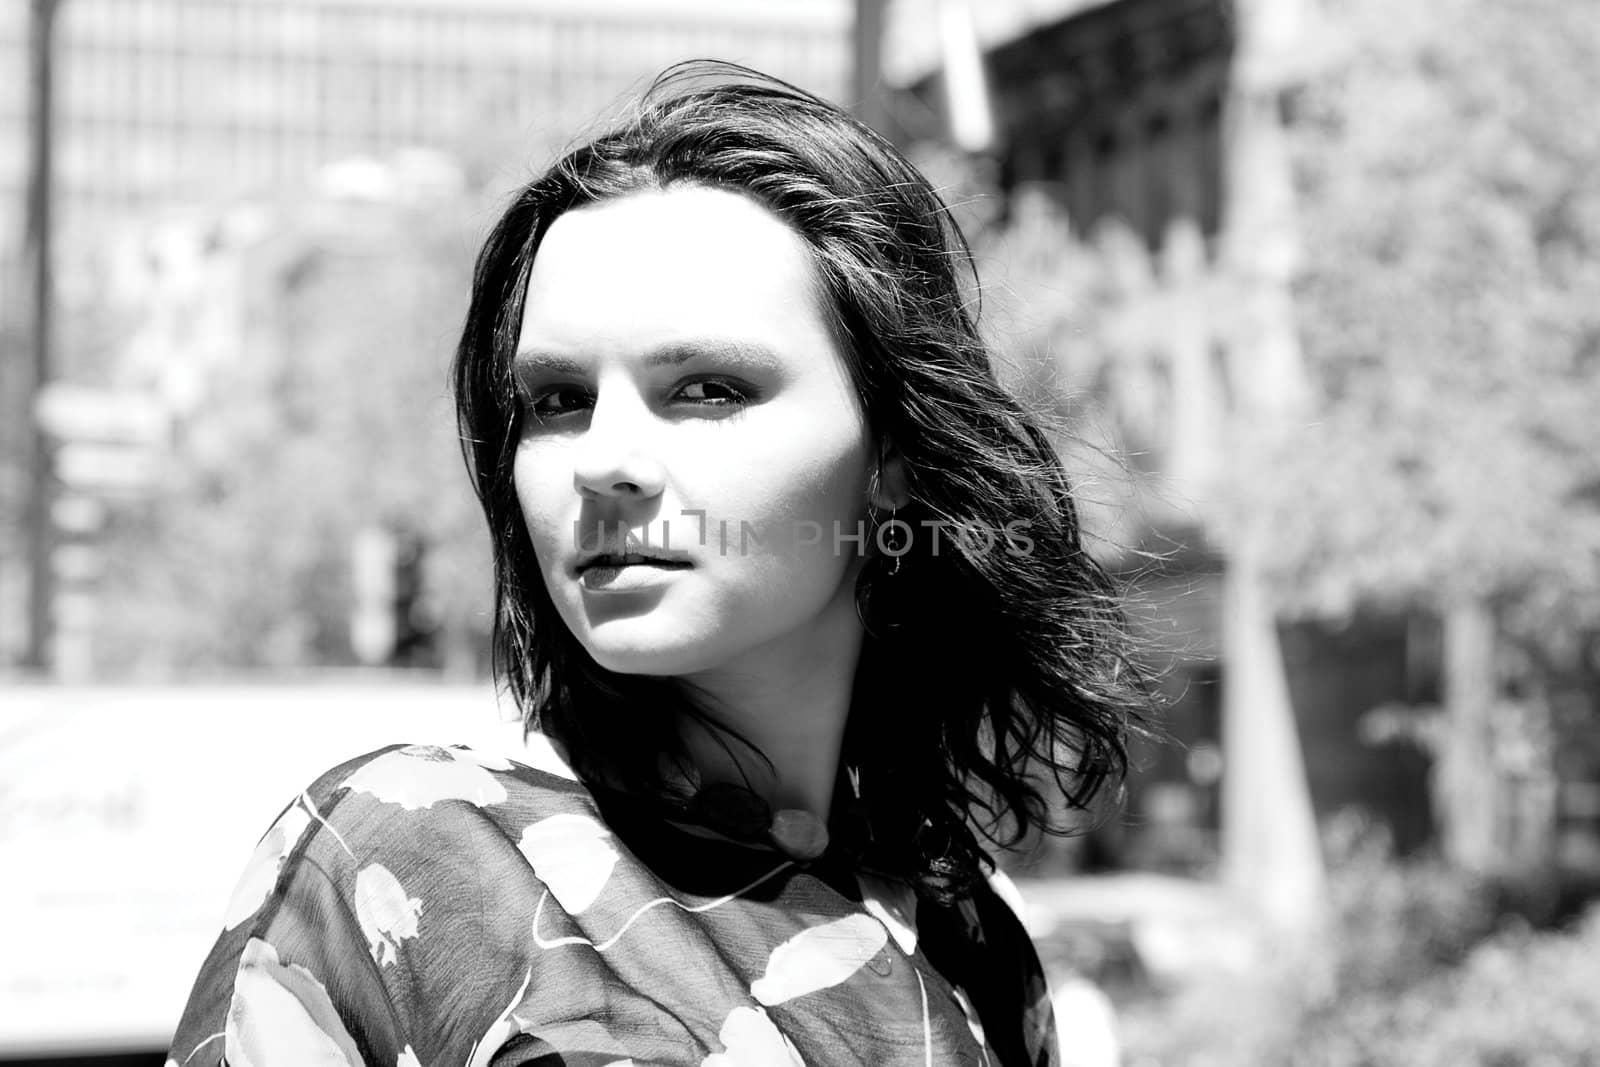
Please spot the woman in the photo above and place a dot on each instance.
(793, 587)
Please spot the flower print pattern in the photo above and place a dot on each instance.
(282, 1014)
(818, 957)
(528, 921)
(386, 914)
(894, 905)
(420, 776)
(749, 1039)
(503, 1029)
(492, 761)
(572, 855)
(261, 872)
(972, 1016)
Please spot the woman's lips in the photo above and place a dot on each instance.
(628, 575)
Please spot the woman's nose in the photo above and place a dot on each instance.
(614, 457)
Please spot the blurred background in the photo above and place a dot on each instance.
(1311, 286)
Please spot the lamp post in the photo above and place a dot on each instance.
(40, 468)
(869, 103)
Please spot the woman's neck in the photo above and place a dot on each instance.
(791, 702)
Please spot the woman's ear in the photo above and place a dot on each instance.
(889, 489)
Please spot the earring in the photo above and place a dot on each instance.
(894, 534)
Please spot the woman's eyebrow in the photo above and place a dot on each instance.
(752, 353)
(532, 359)
(748, 352)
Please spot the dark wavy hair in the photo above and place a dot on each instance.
(980, 667)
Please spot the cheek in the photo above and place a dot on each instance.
(539, 501)
(824, 476)
(807, 498)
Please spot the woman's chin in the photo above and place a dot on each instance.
(644, 650)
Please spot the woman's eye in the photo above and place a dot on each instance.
(714, 393)
(553, 402)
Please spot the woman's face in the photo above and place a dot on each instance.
(687, 415)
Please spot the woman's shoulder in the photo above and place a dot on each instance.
(420, 776)
(420, 797)
(413, 775)
(413, 783)
(408, 810)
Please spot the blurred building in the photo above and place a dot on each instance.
(170, 111)
(185, 102)
(1114, 104)
(199, 100)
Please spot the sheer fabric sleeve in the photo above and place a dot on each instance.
(360, 931)
(296, 987)
(290, 978)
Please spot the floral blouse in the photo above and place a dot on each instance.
(422, 906)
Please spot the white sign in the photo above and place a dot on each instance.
(107, 468)
(128, 813)
(84, 413)
(78, 514)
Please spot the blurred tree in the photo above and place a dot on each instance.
(1189, 363)
(1450, 315)
(329, 411)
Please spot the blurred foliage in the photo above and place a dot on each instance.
(1445, 299)
(1521, 998)
(1451, 226)
(1420, 967)
(1396, 922)
(1047, 306)
(1431, 970)
(329, 410)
